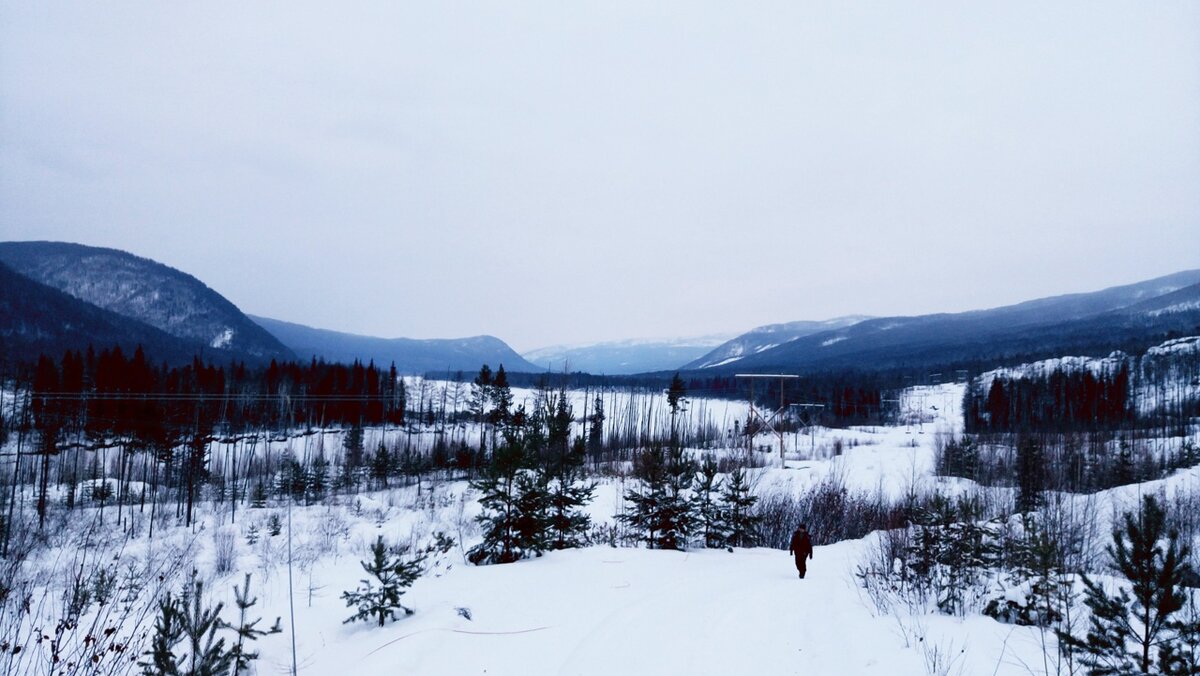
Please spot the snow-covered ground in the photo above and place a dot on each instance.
(599, 610)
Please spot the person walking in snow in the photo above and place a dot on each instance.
(801, 548)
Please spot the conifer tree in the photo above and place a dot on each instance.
(675, 400)
(353, 444)
(258, 497)
(1132, 628)
(379, 600)
(645, 501)
(1181, 657)
(501, 401)
(498, 498)
(247, 630)
(595, 440)
(706, 504)
(568, 494)
(659, 506)
(188, 620)
(381, 466)
(1031, 474)
(677, 521)
(317, 477)
(531, 516)
(741, 523)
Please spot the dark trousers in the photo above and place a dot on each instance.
(802, 564)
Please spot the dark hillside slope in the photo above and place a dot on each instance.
(149, 292)
(37, 319)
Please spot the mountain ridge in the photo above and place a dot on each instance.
(1104, 319)
(145, 290)
(411, 355)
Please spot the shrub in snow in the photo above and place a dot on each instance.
(379, 600)
(224, 551)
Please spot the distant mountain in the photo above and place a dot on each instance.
(1186, 299)
(1130, 318)
(626, 356)
(160, 296)
(410, 355)
(766, 337)
(37, 319)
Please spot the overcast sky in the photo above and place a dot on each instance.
(564, 172)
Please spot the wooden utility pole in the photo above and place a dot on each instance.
(770, 422)
(812, 436)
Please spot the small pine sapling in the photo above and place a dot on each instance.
(187, 620)
(246, 630)
(258, 498)
(379, 600)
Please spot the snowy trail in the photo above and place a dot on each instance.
(606, 611)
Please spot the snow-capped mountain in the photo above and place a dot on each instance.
(766, 337)
(1131, 318)
(152, 293)
(410, 355)
(623, 357)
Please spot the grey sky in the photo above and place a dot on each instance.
(558, 172)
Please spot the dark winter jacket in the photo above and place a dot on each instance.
(801, 545)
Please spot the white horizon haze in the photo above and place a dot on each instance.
(564, 174)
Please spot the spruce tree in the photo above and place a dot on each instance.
(678, 520)
(706, 504)
(381, 466)
(675, 400)
(353, 444)
(258, 497)
(317, 477)
(645, 501)
(531, 515)
(568, 494)
(379, 600)
(1031, 474)
(498, 498)
(1130, 629)
(741, 523)
(659, 506)
(501, 399)
(595, 440)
